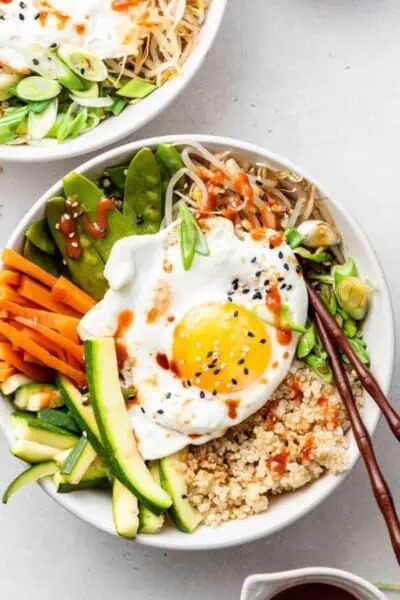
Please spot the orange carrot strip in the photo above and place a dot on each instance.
(3, 314)
(28, 358)
(10, 277)
(6, 371)
(69, 293)
(66, 325)
(40, 340)
(19, 263)
(38, 293)
(28, 345)
(14, 359)
(53, 336)
(8, 294)
(72, 361)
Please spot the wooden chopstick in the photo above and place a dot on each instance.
(367, 379)
(380, 487)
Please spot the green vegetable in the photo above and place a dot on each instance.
(45, 62)
(88, 195)
(7, 81)
(59, 419)
(39, 106)
(13, 383)
(78, 461)
(96, 476)
(293, 237)
(118, 175)
(320, 366)
(37, 88)
(29, 428)
(349, 326)
(33, 396)
(148, 521)
(328, 297)
(33, 452)
(359, 346)
(31, 475)
(42, 259)
(136, 88)
(92, 91)
(193, 240)
(38, 233)
(318, 257)
(83, 63)
(340, 272)
(40, 123)
(118, 106)
(286, 320)
(88, 270)
(170, 158)
(353, 295)
(143, 194)
(327, 279)
(306, 342)
(125, 511)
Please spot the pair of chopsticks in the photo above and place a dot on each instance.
(331, 335)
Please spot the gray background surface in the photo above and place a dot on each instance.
(317, 81)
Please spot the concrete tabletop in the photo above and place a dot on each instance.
(316, 81)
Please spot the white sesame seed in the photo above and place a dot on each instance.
(217, 383)
(67, 217)
(198, 344)
(198, 358)
(71, 235)
(75, 215)
(57, 225)
(75, 204)
(197, 381)
(74, 245)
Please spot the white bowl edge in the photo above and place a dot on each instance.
(234, 532)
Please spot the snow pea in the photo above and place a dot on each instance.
(41, 259)
(38, 233)
(143, 193)
(171, 159)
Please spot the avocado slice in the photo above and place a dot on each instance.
(88, 270)
(88, 195)
(185, 517)
(143, 193)
(39, 235)
(115, 428)
(41, 259)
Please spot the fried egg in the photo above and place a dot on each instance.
(100, 26)
(192, 342)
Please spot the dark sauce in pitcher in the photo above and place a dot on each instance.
(315, 591)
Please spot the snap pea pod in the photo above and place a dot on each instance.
(169, 156)
(88, 270)
(118, 175)
(41, 259)
(143, 193)
(39, 235)
(88, 195)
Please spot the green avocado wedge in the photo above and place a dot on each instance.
(31, 475)
(39, 235)
(88, 270)
(143, 193)
(88, 195)
(115, 428)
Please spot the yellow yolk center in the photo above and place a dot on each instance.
(221, 348)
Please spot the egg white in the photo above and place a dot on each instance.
(138, 266)
(104, 29)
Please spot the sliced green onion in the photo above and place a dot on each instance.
(103, 102)
(136, 88)
(188, 243)
(7, 134)
(118, 106)
(37, 88)
(285, 318)
(328, 279)
(318, 257)
(347, 269)
(201, 245)
(45, 62)
(38, 107)
(306, 342)
(91, 92)
(92, 121)
(85, 64)
(79, 124)
(13, 116)
(320, 366)
(359, 347)
(293, 237)
(40, 124)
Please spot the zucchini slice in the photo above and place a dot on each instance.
(78, 461)
(95, 477)
(125, 511)
(28, 427)
(115, 429)
(59, 419)
(185, 517)
(13, 383)
(31, 475)
(33, 452)
(35, 396)
(81, 410)
(148, 521)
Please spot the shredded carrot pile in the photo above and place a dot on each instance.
(39, 317)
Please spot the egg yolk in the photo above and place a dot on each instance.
(221, 348)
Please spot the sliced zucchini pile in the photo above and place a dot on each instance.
(86, 441)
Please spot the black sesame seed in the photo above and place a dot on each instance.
(263, 341)
(266, 282)
(246, 371)
(189, 383)
(210, 353)
(235, 285)
(82, 71)
(253, 260)
(37, 16)
(184, 496)
(217, 371)
(236, 313)
(271, 247)
(289, 287)
(197, 374)
(286, 266)
(235, 281)
(139, 219)
(281, 279)
(280, 254)
(250, 334)
(241, 361)
(231, 292)
(202, 394)
(257, 296)
(257, 273)
(168, 395)
(54, 45)
(230, 299)
(214, 393)
(22, 4)
(233, 380)
(246, 291)
(21, 17)
(160, 411)
(142, 409)
(212, 364)
(35, 62)
(283, 286)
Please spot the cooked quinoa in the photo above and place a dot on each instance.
(292, 441)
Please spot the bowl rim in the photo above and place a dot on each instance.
(122, 128)
(249, 148)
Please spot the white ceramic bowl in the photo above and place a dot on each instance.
(265, 587)
(132, 118)
(95, 507)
